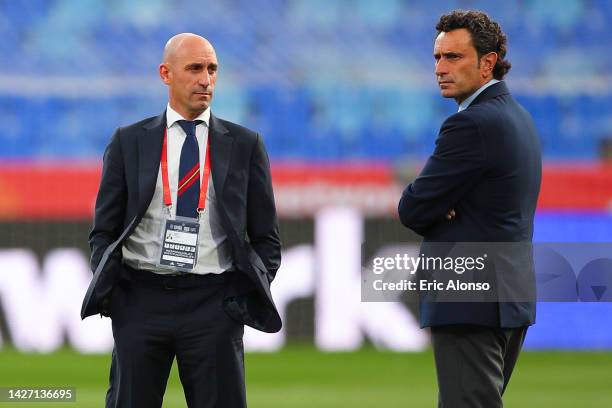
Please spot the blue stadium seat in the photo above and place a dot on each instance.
(314, 76)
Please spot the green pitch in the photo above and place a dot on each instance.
(300, 377)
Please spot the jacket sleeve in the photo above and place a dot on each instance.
(452, 170)
(262, 222)
(110, 203)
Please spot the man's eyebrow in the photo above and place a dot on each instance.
(194, 65)
(447, 54)
(199, 65)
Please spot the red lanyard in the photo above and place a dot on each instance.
(166, 184)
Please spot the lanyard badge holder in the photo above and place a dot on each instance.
(180, 235)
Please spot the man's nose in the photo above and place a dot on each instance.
(441, 68)
(204, 79)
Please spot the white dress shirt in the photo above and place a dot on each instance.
(141, 248)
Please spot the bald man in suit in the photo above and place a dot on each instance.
(185, 164)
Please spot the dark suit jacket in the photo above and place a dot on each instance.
(241, 177)
(487, 166)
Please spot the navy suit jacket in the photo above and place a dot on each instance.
(241, 177)
(487, 167)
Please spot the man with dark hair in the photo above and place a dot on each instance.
(481, 184)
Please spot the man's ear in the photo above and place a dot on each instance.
(164, 73)
(487, 63)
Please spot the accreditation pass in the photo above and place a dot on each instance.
(180, 244)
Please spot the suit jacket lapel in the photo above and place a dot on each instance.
(221, 143)
(150, 142)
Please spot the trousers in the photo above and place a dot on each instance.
(157, 319)
(474, 364)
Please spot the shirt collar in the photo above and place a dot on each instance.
(172, 116)
(464, 105)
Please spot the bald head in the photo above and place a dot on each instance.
(189, 68)
(182, 42)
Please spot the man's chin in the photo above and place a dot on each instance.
(202, 106)
(201, 100)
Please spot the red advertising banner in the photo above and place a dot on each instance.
(67, 191)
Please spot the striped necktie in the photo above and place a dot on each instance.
(189, 172)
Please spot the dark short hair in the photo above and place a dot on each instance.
(487, 35)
